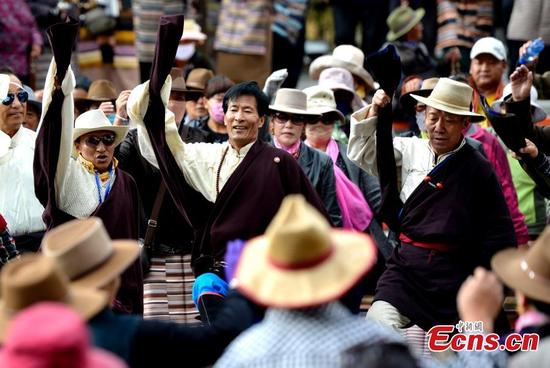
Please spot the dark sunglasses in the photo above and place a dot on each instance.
(107, 140)
(22, 96)
(282, 118)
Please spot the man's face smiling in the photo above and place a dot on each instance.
(243, 121)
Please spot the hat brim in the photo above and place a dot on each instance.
(86, 302)
(440, 105)
(506, 264)
(291, 110)
(352, 257)
(125, 252)
(538, 113)
(120, 134)
(408, 100)
(328, 61)
(418, 15)
(325, 111)
(193, 36)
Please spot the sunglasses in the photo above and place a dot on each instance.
(22, 96)
(107, 140)
(282, 118)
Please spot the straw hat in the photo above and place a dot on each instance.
(86, 253)
(321, 100)
(526, 269)
(344, 56)
(46, 334)
(192, 31)
(292, 101)
(402, 20)
(93, 121)
(35, 278)
(538, 113)
(300, 261)
(425, 89)
(452, 97)
(197, 78)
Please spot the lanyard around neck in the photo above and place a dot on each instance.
(98, 184)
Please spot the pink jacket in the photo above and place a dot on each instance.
(496, 155)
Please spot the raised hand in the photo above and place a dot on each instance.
(521, 81)
(379, 100)
(529, 149)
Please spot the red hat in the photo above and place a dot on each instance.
(52, 335)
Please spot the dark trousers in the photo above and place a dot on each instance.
(290, 56)
(372, 16)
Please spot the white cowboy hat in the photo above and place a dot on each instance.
(452, 97)
(93, 121)
(292, 101)
(301, 261)
(192, 31)
(344, 56)
(321, 100)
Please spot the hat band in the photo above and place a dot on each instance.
(304, 264)
(95, 267)
(532, 274)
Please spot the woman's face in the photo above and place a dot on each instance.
(13, 114)
(287, 128)
(319, 132)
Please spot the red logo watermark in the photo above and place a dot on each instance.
(469, 336)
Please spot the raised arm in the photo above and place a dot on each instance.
(54, 140)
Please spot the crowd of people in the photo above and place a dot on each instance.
(215, 214)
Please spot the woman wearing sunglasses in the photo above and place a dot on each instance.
(289, 116)
(18, 202)
(76, 175)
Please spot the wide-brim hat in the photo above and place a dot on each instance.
(32, 101)
(197, 79)
(348, 57)
(93, 121)
(292, 101)
(178, 83)
(86, 253)
(537, 114)
(452, 97)
(101, 90)
(526, 269)
(300, 261)
(35, 278)
(192, 31)
(402, 20)
(321, 100)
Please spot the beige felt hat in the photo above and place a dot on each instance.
(344, 56)
(401, 20)
(321, 100)
(93, 121)
(452, 97)
(35, 278)
(102, 90)
(86, 253)
(292, 101)
(197, 78)
(300, 261)
(527, 269)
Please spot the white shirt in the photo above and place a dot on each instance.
(18, 203)
(413, 156)
(76, 189)
(199, 162)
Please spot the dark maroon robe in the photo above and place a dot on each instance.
(253, 193)
(119, 211)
